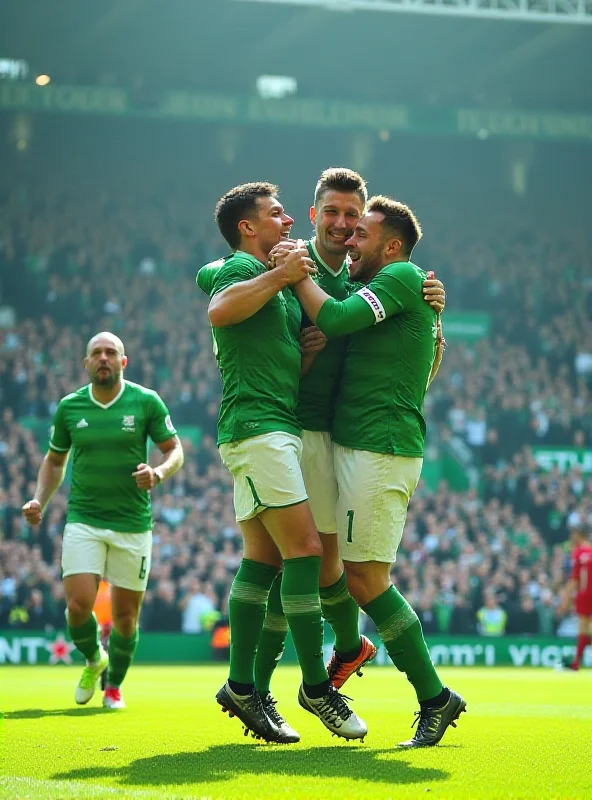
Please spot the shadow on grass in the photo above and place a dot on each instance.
(226, 762)
(38, 713)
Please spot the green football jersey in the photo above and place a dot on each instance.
(108, 442)
(387, 366)
(318, 388)
(259, 358)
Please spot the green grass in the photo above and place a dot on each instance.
(528, 734)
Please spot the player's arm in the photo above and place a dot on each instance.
(384, 297)
(52, 471)
(49, 480)
(162, 432)
(440, 347)
(568, 595)
(242, 299)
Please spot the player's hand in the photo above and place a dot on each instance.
(145, 477)
(31, 511)
(282, 248)
(434, 294)
(312, 340)
(295, 265)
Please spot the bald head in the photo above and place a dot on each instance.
(105, 338)
(105, 360)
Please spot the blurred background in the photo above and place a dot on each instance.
(120, 126)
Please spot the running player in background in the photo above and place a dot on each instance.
(580, 586)
(379, 434)
(106, 424)
(256, 326)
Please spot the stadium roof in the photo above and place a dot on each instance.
(225, 45)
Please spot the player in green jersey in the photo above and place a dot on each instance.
(256, 325)
(339, 201)
(106, 425)
(379, 433)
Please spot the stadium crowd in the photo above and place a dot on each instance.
(487, 560)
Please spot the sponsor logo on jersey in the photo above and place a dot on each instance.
(82, 424)
(373, 302)
(128, 424)
(169, 424)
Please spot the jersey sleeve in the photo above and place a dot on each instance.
(392, 291)
(235, 271)
(160, 426)
(59, 437)
(207, 275)
(575, 566)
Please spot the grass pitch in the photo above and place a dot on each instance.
(527, 734)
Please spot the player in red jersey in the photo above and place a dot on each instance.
(580, 585)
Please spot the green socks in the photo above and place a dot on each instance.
(121, 653)
(86, 637)
(400, 630)
(246, 612)
(302, 607)
(342, 613)
(273, 638)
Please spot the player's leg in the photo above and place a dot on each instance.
(584, 631)
(338, 607)
(374, 493)
(294, 532)
(246, 611)
(127, 570)
(268, 483)
(83, 560)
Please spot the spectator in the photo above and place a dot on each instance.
(491, 618)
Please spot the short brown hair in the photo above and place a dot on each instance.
(398, 219)
(340, 179)
(238, 203)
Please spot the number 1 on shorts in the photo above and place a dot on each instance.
(350, 525)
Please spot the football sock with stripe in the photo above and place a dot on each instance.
(246, 612)
(342, 613)
(273, 638)
(86, 637)
(121, 653)
(302, 607)
(400, 630)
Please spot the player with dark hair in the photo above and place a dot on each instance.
(256, 320)
(379, 433)
(578, 592)
(106, 425)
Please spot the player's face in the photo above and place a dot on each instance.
(272, 223)
(335, 218)
(105, 362)
(365, 248)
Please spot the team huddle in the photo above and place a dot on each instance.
(326, 350)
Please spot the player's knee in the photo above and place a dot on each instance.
(363, 582)
(126, 625)
(79, 610)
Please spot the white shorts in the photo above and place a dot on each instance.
(374, 492)
(123, 559)
(318, 472)
(266, 473)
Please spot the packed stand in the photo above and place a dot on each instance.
(490, 560)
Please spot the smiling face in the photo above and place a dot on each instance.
(105, 360)
(334, 218)
(269, 224)
(370, 248)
